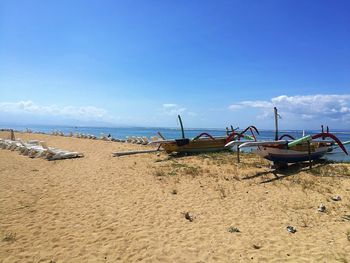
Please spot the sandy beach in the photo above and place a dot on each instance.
(128, 209)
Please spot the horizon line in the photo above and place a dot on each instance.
(153, 127)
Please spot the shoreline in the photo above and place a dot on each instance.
(338, 157)
(136, 208)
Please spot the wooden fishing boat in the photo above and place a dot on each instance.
(282, 153)
(204, 142)
(307, 148)
(195, 145)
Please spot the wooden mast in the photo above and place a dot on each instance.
(276, 124)
(182, 127)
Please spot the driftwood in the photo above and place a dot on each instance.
(118, 154)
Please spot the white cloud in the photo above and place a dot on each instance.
(335, 107)
(235, 107)
(192, 114)
(172, 109)
(86, 113)
(169, 105)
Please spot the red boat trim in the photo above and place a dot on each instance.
(203, 134)
(253, 127)
(332, 136)
(232, 136)
(287, 135)
(251, 130)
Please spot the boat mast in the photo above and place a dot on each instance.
(276, 124)
(182, 127)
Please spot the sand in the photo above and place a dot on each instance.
(128, 209)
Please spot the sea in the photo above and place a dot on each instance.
(175, 133)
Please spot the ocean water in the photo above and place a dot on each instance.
(173, 133)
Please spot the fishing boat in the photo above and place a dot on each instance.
(204, 142)
(283, 151)
(307, 148)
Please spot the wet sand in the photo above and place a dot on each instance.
(128, 209)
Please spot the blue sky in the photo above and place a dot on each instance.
(141, 63)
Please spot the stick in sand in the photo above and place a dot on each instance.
(118, 154)
(12, 135)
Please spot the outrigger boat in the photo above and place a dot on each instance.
(204, 142)
(282, 152)
(307, 148)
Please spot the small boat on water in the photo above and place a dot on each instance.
(204, 142)
(307, 148)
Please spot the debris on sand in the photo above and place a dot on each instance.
(189, 216)
(336, 198)
(322, 208)
(233, 229)
(346, 217)
(291, 229)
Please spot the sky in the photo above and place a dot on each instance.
(140, 63)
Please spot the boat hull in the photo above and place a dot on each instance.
(196, 146)
(276, 154)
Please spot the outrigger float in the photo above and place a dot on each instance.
(204, 142)
(281, 151)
